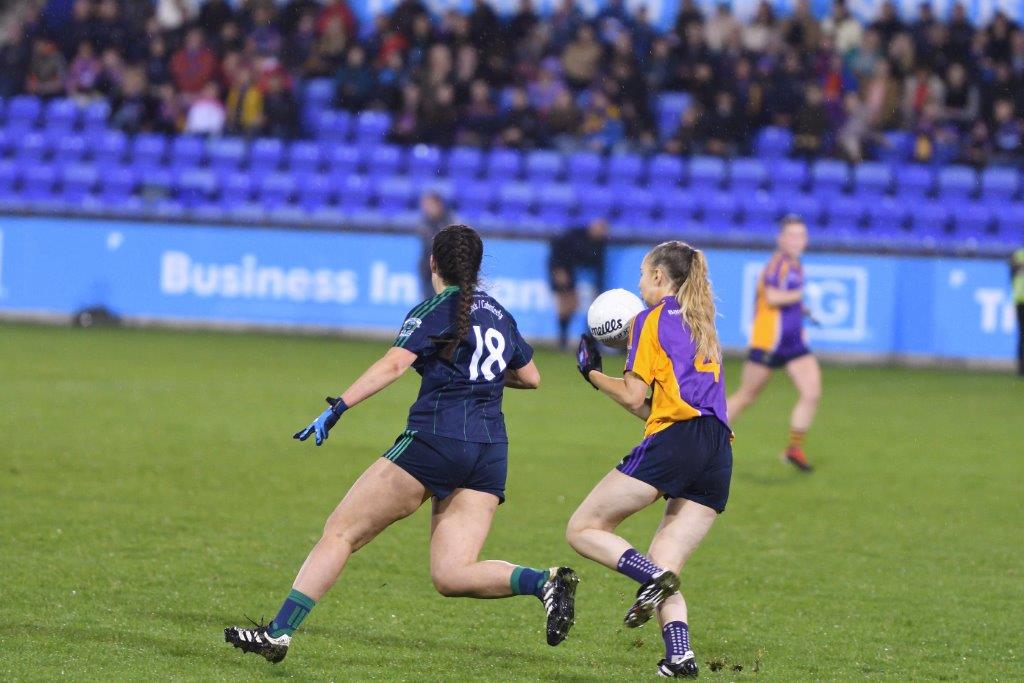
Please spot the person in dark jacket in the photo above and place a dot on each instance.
(572, 250)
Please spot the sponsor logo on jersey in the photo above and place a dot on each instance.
(409, 326)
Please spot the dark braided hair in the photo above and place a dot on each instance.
(458, 251)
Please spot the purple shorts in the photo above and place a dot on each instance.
(779, 358)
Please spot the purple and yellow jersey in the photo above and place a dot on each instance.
(778, 329)
(663, 354)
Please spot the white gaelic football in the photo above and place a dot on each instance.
(610, 315)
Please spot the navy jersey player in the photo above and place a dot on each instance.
(454, 449)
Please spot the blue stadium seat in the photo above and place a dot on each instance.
(107, 146)
(304, 157)
(718, 207)
(806, 206)
(624, 169)
(276, 189)
(196, 186)
(595, 202)
(543, 165)
(665, 172)
(6, 142)
(23, 112)
(747, 175)
(384, 160)
(39, 183)
(78, 181)
(316, 191)
(226, 154)
(371, 127)
(773, 143)
(69, 149)
(10, 173)
(149, 150)
(474, 197)
(353, 192)
(845, 213)
(266, 153)
(516, 200)
(670, 108)
(155, 183)
(343, 159)
(1000, 183)
(896, 147)
(635, 205)
(559, 196)
(33, 148)
(829, 177)
(95, 116)
(395, 194)
(676, 205)
(555, 203)
(236, 188)
(426, 162)
(759, 208)
(503, 165)
(318, 92)
(443, 187)
(335, 126)
(930, 219)
(971, 219)
(958, 182)
(61, 115)
(871, 179)
(117, 184)
(706, 174)
(464, 163)
(1009, 223)
(887, 214)
(585, 167)
(914, 181)
(186, 152)
(787, 175)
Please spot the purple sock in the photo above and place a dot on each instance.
(637, 566)
(677, 639)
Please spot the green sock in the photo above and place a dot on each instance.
(293, 612)
(526, 581)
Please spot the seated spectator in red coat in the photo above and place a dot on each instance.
(193, 65)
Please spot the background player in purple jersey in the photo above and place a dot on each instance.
(686, 454)
(777, 339)
(468, 349)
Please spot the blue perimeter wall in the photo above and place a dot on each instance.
(875, 305)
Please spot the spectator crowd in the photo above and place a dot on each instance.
(568, 81)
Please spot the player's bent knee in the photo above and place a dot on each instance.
(448, 583)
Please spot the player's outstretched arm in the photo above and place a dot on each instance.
(782, 297)
(382, 373)
(376, 377)
(526, 377)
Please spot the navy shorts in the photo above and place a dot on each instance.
(443, 464)
(691, 459)
(778, 359)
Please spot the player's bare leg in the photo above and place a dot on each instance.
(383, 494)
(458, 529)
(591, 529)
(683, 527)
(591, 532)
(806, 375)
(753, 379)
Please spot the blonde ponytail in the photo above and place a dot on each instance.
(688, 269)
(697, 304)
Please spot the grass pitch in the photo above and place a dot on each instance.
(151, 494)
